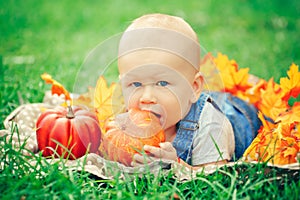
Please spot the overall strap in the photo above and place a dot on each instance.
(187, 128)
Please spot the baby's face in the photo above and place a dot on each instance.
(158, 81)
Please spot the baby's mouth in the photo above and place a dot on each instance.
(159, 117)
(156, 114)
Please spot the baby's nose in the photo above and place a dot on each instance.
(148, 95)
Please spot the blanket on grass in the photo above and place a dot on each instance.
(20, 130)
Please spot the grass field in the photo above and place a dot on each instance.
(56, 36)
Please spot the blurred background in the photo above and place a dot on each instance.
(39, 36)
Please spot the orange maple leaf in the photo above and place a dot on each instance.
(223, 63)
(57, 88)
(254, 93)
(290, 151)
(290, 116)
(277, 143)
(250, 153)
(266, 125)
(236, 81)
(271, 103)
(291, 84)
(278, 139)
(108, 101)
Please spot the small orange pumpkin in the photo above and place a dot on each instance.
(69, 133)
(134, 129)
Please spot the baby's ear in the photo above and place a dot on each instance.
(197, 87)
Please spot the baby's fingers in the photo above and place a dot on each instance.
(110, 125)
(166, 151)
(139, 159)
(154, 151)
(167, 146)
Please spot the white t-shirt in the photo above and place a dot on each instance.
(214, 130)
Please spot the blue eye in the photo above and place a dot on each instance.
(162, 83)
(137, 84)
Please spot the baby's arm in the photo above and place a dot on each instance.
(168, 152)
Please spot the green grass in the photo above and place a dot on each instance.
(21, 179)
(56, 36)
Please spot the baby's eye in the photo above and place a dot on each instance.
(136, 84)
(162, 83)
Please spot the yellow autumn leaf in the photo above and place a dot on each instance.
(254, 93)
(267, 125)
(250, 152)
(108, 101)
(271, 103)
(223, 63)
(290, 152)
(228, 79)
(241, 77)
(279, 159)
(278, 145)
(236, 81)
(290, 116)
(290, 141)
(291, 84)
(278, 139)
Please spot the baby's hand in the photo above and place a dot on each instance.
(165, 151)
(110, 125)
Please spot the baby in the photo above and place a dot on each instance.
(159, 61)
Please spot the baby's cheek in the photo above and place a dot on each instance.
(132, 104)
(131, 101)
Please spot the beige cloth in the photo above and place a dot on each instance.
(25, 117)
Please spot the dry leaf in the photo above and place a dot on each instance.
(271, 103)
(291, 85)
(57, 88)
(277, 143)
(108, 101)
(290, 116)
(236, 81)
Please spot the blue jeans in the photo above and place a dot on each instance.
(242, 116)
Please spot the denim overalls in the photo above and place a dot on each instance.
(242, 116)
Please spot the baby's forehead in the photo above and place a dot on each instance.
(163, 40)
(151, 69)
(151, 73)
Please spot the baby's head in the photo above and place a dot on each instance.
(162, 33)
(158, 63)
